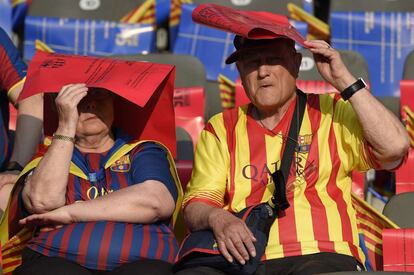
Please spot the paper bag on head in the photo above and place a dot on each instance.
(144, 102)
(248, 24)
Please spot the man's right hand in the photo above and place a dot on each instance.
(234, 238)
(67, 106)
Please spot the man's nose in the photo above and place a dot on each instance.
(263, 70)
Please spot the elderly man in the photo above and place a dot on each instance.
(96, 215)
(240, 148)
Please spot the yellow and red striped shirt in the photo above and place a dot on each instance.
(235, 157)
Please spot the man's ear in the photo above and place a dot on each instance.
(298, 61)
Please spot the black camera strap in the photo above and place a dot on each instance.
(280, 176)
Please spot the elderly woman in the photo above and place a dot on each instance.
(99, 211)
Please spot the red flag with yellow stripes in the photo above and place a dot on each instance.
(370, 225)
(143, 14)
(408, 115)
(227, 92)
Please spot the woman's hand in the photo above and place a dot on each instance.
(66, 103)
(57, 217)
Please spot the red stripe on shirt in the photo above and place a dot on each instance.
(123, 183)
(258, 161)
(84, 186)
(230, 120)
(84, 243)
(146, 240)
(105, 245)
(50, 238)
(171, 247)
(126, 243)
(336, 193)
(160, 248)
(318, 210)
(64, 242)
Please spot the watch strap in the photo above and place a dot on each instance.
(355, 87)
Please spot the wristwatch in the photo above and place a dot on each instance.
(358, 85)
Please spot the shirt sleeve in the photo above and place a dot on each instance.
(357, 152)
(12, 69)
(149, 162)
(211, 167)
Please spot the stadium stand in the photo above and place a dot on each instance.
(94, 27)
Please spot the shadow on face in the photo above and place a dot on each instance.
(280, 52)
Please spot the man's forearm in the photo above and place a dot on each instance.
(198, 215)
(381, 129)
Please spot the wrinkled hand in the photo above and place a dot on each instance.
(234, 238)
(66, 103)
(52, 219)
(330, 65)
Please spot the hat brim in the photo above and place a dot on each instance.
(261, 43)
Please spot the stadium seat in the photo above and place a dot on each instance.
(93, 9)
(353, 60)
(408, 72)
(82, 27)
(371, 5)
(398, 244)
(399, 209)
(277, 6)
(213, 101)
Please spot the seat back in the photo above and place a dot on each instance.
(91, 27)
(354, 61)
(408, 72)
(399, 209)
(83, 9)
(372, 5)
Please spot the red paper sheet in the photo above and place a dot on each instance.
(144, 108)
(250, 24)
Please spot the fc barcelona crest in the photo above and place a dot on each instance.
(304, 143)
(122, 165)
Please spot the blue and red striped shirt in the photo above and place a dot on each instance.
(105, 245)
(12, 70)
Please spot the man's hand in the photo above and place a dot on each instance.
(59, 216)
(233, 237)
(330, 64)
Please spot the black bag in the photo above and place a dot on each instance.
(199, 248)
